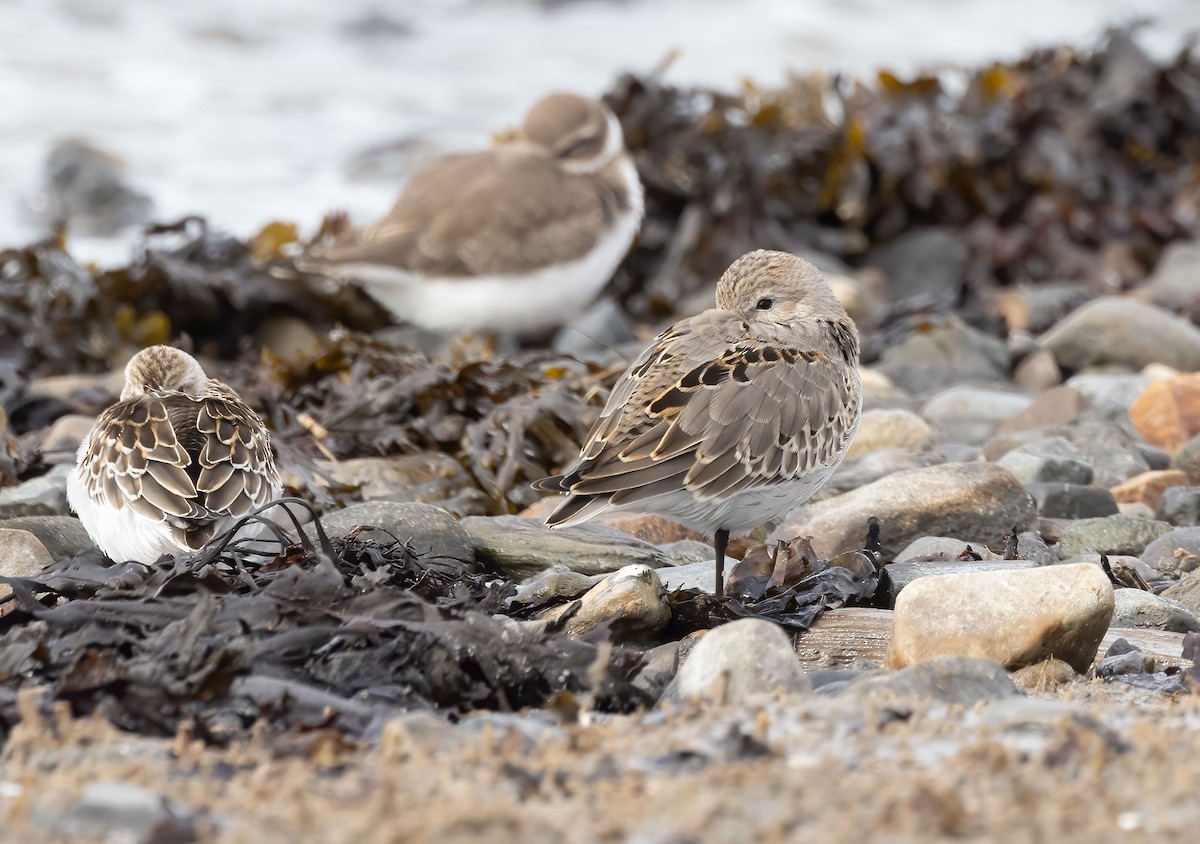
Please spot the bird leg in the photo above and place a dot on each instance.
(721, 541)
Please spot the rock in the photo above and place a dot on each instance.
(290, 339)
(84, 187)
(1148, 488)
(879, 391)
(700, 575)
(1044, 676)
(647, 527)
(1072, 501)
(1121, 646)
(1175, 283)
(946, 352)
(1119, 665)
(976, 502)
(121, 811)
(897, 576)
(948, 679)
(632, 601)
(862, 295)
(1174, 552)
(1035, 308)
(687, 551)
(62, 536)
(658, 669)
(434, 535)
(66, 388)
(62, 438)
(1016, 617)
(894, 428)
(1137, 608)
(1031, 547)
(1180, 505)
(1123, 331)
(873, 466)
(1134, 510)
(1111, 393)
(746, 657)
(1167, 413)
(1052, 460)
(1158, 459)
(21, 555)
(1187, 459)
(1105, 446)
(554, 584)
(1038, 371)
(923, 266)
(944, 548)
(520, 547)
(1110, 535)
(1186, 592)
(427, 478)
(1119, 563)
(45, 495)
(972, 414)
(1057, 406)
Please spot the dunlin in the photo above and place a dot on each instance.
(518, 238)
(176, 461)
(732, 417)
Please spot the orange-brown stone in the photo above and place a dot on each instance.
(1167, 413)
(1148, 487)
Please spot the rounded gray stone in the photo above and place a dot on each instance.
(1072, 501)
(434, 535)
(45, 495)
(744, 657)
(1110, 535)
(63, 536)
(1120, 330)
(1180, 506)
(960, 680)
(1173, 552)
(1137, 608)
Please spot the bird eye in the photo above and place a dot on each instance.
(764, 304)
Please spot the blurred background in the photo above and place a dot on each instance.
(246, 112)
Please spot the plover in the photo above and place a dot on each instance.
(731, 417)
(518, 238)
(178, 459)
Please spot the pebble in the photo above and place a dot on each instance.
(521, 547)
(700, 575)
(631, 601)
(1110, 535)
(874, 466)
(1186, 592)
(1137, 608)
(1133, 662)
(1044, 676)
(1016, 617)
(1167, 413)
(1038, 371)
(1135, 510)
(434, 535)
(940, 548)
(647, 527)
(1072, 501)
(1175, 283)
(923, 266)
(964, 681)
(1109, 391)
(21, 555)
(1105, 446)
(121, 811)
(63, 437)
(972, 414)
(1187, 459)
(1056, 406)
(554, 584)
(45, 495)
(895, 577)
(62, 536)
(290, 339)
(1123, 331)
(1148, 488)
(976, 502)
(945, 352)
(659, 665)
(1174, 552)
(891, 428)
(1051, 460)
(746, 657)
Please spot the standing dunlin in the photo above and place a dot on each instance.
(176, 461)
(518, 238)
(732, 417)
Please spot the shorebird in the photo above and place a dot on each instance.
(730, 418)
(178, 459)
(518, 238)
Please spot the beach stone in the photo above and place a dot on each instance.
(1167, 413)
(746, 657)
(1118, 562)
(972, 414)
(1123, 331)
(700, 575)
(1119, 665)
(555, 583)
(1036, 372)
(521, 547)
(1187, 459)
(1174, 552)
(1044, 676)
(1109, 392)
(121, 811)
(1148, 488)
(659, 665)
(290, 339)
(62, 536)
(1175, 283)
(427, 477)
(21, 555)
(1072, 501)
(1036, 307)
(434, 535)
(940, 548)
(873, 466)
(45, 495)
(648, 527)
(1138, 608)
(964, 681)
(891, 428)
(1105, 446)
(62, 439)
(1158, 459)
(1186, 592)
(65, 388)
(1017, 617)
(1056, 406)
(976, 502)
(947, 351)
(1050, 460)
(923, 266)
(1110, 535)
(632, 600)
(1180, 505)
(1135, 510)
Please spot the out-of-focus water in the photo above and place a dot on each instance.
(251, 110)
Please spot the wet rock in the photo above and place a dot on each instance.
(1187, 459)
(121, 811)
(62, 536)
(957, 680)
(1149, 487)
(1137, 608)
(45, 495)
(739, 659)
(631, 601)
(521, 547)
(427, 478)
(924, 267)
(1044, 676)
(21, 555)
(554, 584)
(946, 352)
(84, 187)
(1167, 413)
(1123, 331)
(1174, 552)
(891, 428)
(1186, 592)
(1016, 617)
(941, 548)
(977, 502)
(62, 438)
(1057, 406)
(1110, 535)
(972, 414)
(1053, 460)
(1038, 371)
(434, 535)
(1072, 501)
(1175, 283)
(1134, 662)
